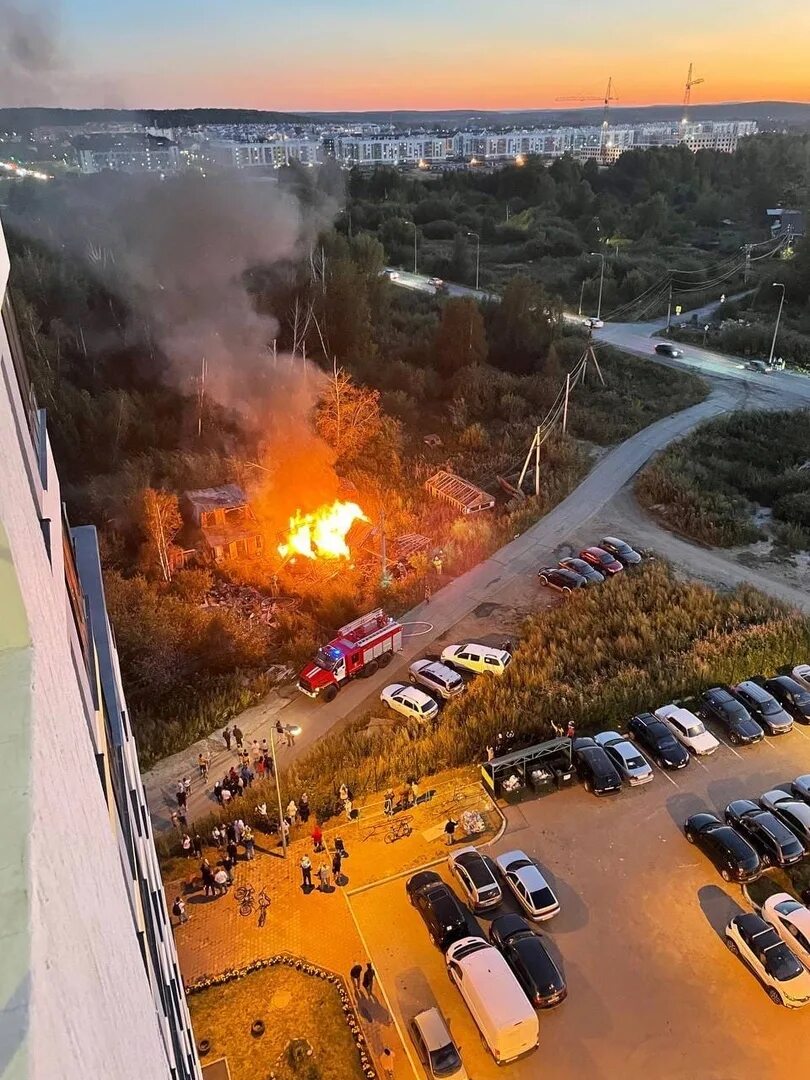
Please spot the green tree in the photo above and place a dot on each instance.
(522, 326)
(460, 267)
(460, 336)
(160, 522)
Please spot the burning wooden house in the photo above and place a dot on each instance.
(460, 493)
(226, 527)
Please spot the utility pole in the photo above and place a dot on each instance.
(669, 308)
(565, 404)
(201, 396)
(747, 270)
(272, 741)
(601, 255)
(385, 579)
(477, 257)
(581, 295)
(533, 449)
(777, 285)
(414, 248)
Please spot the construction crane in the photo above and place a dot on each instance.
(687, 94)
(609, 96)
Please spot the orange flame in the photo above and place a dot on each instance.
(322, 534)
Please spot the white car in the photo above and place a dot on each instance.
(687, 729)
(437, 677)
(530, 888)
(628, 759)
(410, 701)
(392, 275)
(477, 658)
(774, 964)
(594, 323)
(801, 673)
(791, 920)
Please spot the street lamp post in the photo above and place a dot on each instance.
(777, 285)
(582, 295)
(272, 741)
(414, 248)
(601, 255)
(477, 257)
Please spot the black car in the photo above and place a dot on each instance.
(526, 955)
(656, 738)
(446, 918)
(664, 348)
(763, 706)
(792, 696)
(560, 578)
(775, 843)
(621, 550)
(731, 853)
(720, 704)
(594, 768)
(584, 569)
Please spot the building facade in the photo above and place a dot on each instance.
(127, 152)
(90, 981)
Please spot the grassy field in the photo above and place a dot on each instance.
(293, 1007)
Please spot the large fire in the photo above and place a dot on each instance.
(322, 534)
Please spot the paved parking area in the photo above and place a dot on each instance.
(653, 992)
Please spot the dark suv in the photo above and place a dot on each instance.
(528, 958)
(446, 918)
(731, 853)
(793, 697)
(720, 704)
(763, 707)
(656, 738)
(775, 843)
(594, 768)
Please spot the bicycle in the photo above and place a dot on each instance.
(398, 829)
(244, 898)
(264, 904)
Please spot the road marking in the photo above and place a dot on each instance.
(768, 741)
(799, 731)
(731, 748)
(416, 633)
(697, 761)
(666, 776)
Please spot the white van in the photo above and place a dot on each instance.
(504, 1016)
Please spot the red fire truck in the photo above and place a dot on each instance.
(360, 648)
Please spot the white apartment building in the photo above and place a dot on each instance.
(127, 152)
(273, 153)
(90, 983)
(392, 149)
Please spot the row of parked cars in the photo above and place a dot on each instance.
(593, 564)
(508, 973)
(442, 678)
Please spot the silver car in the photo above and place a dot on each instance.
(801, 787)
(434, 1045)
(628, 759)
(437, 677)
(791, 812)
(530, 888)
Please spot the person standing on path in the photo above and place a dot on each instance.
(317, 837)
(264, 746)
(387, 1061)
(232, 851)
(182, 817)
(325, 877)
(290, 735)
(186, 842)
(303, 808)
(279, 732)
(207, 878)
(197, 845)
(179, 910)
(368, 980)
(449, 830)
(292, 811)
(186, 787)
(216, 836)
(226, 735)
(250, 844)
(336, 860)
(571, 729)
(202, 765)
(306, 872)
(181, 793)
(238, 736)
(356, 974)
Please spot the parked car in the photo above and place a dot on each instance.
(791, 695)
(438, 677)
(476, 878)
(775, 843)
(477, 658)
(629, 761)
(801, 673)
(528, 958)
(665, 348)
(800, 787)
(594, 768)
(720, 705)
(793, 812)
(657, 739)
(620, 550)
(584, 569)
(604, 562)
(687, 729)
(410, 701)
(434, 1045)
(791, 921)
(758, 944)
(557, 577)
(731, 853)
(594, 323)
(446, 918)
(530, 888)
(763, 707)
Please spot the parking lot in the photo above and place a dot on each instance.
(652, 989)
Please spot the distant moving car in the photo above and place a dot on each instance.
(791, 695)
(594, 768)
(437, 677)
(801, 673)
(629, 761)
(687, 729)
(775, 843)
(594, 323)
(604, 562)
(620, 550)
(584, 569)
(528, 958)
(763, 706)
(657, 739)
(557, 577)
(719, 704)
(793, 812)
(446, 918)
(801, 787)
(475, 877)
(530, 888)
(760, 366)
(477, 658)
(392, 275)
(666, 348)
(758, 944)
(436, 282)
(731, 853)
(434, 1045)
(791, 921)
(410, 701)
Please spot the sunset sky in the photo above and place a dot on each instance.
(392, 54)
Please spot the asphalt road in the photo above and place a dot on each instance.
(653, 992)
(406, 279)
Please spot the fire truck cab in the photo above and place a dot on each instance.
(360, 648)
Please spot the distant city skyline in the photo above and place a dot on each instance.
(328, 55)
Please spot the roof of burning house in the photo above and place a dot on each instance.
(219, 537)
(227, 497)
(465, 496)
